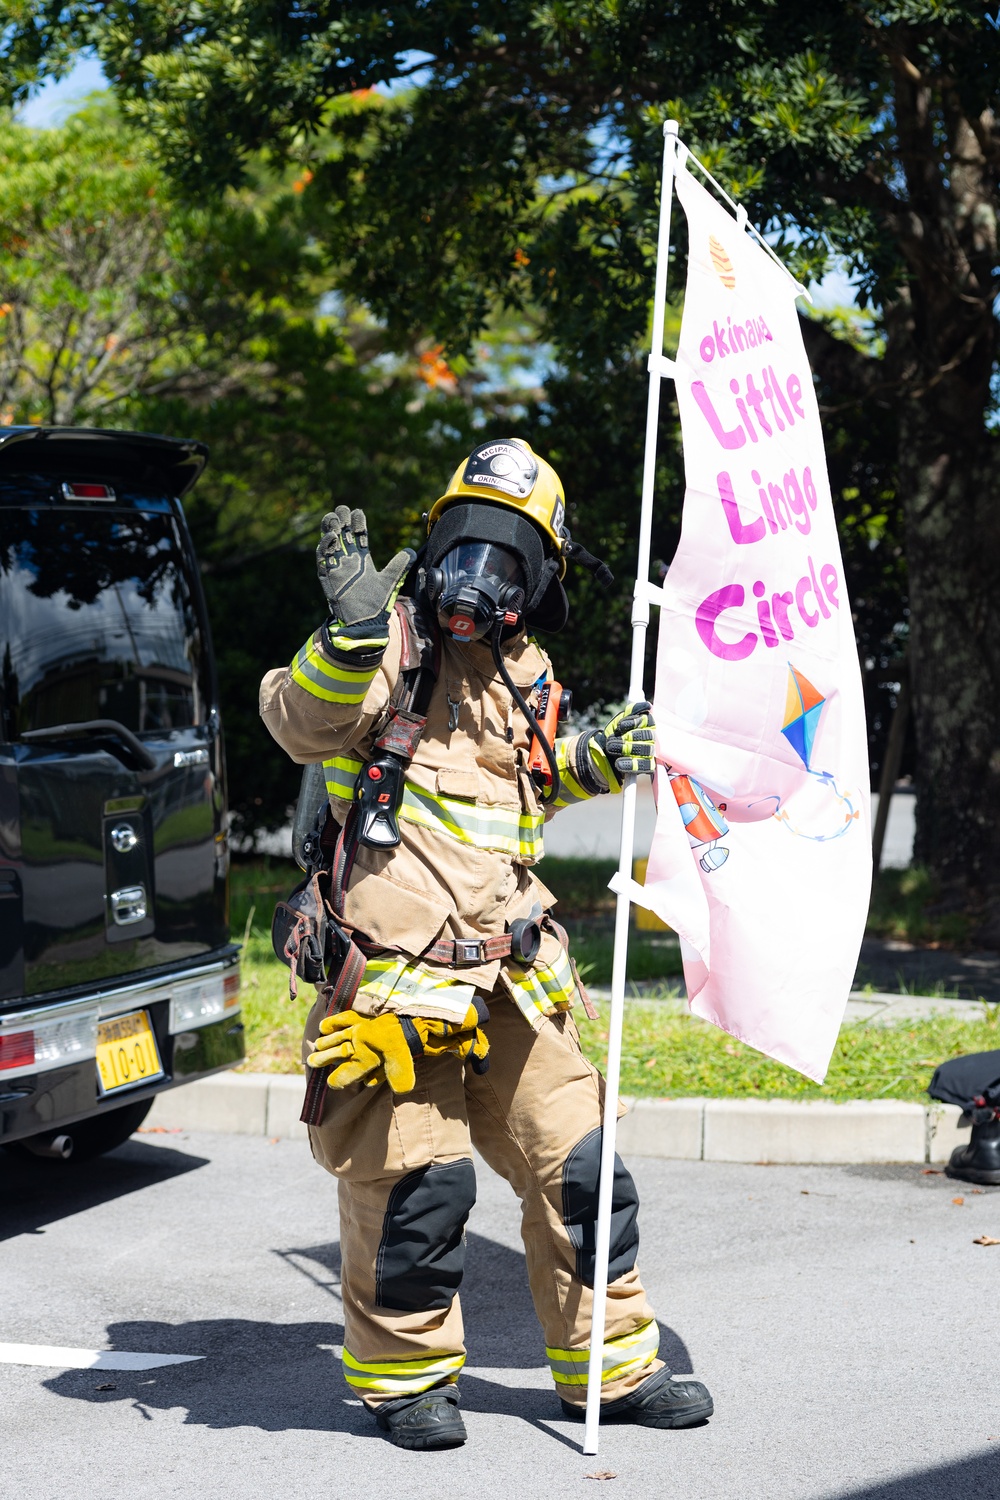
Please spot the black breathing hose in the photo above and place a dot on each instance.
(533, 723)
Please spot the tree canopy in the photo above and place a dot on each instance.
(504, 154)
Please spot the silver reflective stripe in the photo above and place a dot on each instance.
(332, 683)
(628, 1352)
(505, 830)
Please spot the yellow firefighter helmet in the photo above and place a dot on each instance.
(506, 472)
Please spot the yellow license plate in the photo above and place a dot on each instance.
(126, 1052)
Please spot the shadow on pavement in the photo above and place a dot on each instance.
(976, 1478)
(286, 1376)
(896, 967)
(272, 1376)
(501, 1329)
(36, 1192)
(930, 1179)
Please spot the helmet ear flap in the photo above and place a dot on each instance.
(548, 607)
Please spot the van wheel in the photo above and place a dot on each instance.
(86, 1138)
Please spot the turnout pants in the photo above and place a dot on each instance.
(407, 1184)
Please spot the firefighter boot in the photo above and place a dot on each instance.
(427, 1421)
(979, 1161)
(661, 1401)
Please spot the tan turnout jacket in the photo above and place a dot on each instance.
(471, 821)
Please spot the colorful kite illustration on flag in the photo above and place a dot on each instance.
(803, 707)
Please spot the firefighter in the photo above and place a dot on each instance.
(460, 1033)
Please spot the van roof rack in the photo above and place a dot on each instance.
(77, 452)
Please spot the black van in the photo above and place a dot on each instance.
(117, 976)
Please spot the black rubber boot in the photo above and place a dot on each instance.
(424, 1422)
(661, 1401)
(979, 1161)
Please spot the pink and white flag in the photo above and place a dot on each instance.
(761, 859)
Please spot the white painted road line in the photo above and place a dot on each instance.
(58, 1358)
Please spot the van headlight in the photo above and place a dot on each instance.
(203, 1001)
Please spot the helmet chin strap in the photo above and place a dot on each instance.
(576, 552)
(502, 619)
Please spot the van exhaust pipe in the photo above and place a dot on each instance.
(59, 1147)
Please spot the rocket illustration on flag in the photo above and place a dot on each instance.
(803, 710)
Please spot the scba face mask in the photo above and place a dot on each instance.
(473, 584)
(481, 560)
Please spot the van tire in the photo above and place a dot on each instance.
(92, 1137)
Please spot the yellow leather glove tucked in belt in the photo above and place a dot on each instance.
(373, 1049)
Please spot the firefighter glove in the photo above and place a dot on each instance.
(629, 742)
(377, 1049)
(359, 597)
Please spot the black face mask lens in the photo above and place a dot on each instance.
(478, 577)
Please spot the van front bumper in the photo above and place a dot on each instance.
(48, 1070)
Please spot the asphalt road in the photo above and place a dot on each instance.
(843, 1318)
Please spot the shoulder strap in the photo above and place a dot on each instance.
(420, 661)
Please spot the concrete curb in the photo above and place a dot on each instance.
(750, 1130)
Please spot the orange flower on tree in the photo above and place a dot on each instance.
(435, 371)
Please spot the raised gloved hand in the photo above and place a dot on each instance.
(371, 1049)
(359, 597)
(628, 742)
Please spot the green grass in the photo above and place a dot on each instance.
(580, 886)
(903, 906)
(586, 906)
(667, 1053)
(673, 1055)
(273, 1022)
(651, 957)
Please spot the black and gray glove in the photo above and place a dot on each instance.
(359, 597)
(629, 742)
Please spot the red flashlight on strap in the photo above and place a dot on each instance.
(554, 704)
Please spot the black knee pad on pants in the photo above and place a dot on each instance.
(581, 1187)
(421, 1255)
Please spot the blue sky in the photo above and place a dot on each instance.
(54, 101)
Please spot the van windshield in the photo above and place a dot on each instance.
(97, 621)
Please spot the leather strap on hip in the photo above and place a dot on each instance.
(341, 996)
(468, 953)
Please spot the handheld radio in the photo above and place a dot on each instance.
(554, 704)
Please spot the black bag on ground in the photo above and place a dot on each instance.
(973, 1083)
(963, 1080)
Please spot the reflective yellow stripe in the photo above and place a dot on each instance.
(543, 989)
(393, 977)
(602, 763)
(328, 680)
(341, 774)
(403, 1377)
(631, 1351)
(502, 829)
(570, 790)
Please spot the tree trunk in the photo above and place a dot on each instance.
(941, 348)
(952, 498)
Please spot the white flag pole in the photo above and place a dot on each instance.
(658, 367)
